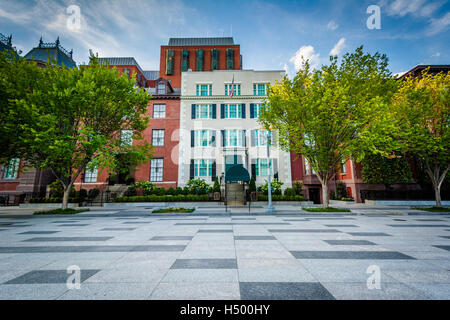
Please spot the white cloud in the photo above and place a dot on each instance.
(418, 8)
(303, 54)
(439, 25)
(338, 47)
(332, 25)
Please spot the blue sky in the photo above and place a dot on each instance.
(272, 34)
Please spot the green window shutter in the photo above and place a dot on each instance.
(214, 59)
(185, 60)
(169, 61)
(200, 59)
(230, 59)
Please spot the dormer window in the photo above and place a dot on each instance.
(161, 89)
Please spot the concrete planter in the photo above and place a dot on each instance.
(46, 205)
(212, 204)
(341, 202)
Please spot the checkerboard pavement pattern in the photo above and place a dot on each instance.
(132, 254)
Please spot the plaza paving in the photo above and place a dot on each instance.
(133, 254)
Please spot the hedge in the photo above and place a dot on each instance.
(54, 200)
(275, 197)
(155, 198)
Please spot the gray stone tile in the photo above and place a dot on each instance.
(201, 275)
(349, 255)
(49, 276)
(359, 291)
(58, 239)
(117, 229)
(445, 237)
(72, 225)
(137, 222)
(110, 248)
(350, 242)
(196, 291)
(205, 264)
(284, 291)
(254, 238)
(215, 230)
(420, 276)
(31, 291)
(443, 247)
(342, 226)
(39, 232)
(172, 238)
(419, 225)
(110, 291)
(369, 234)
(438, 291)
(304, 231)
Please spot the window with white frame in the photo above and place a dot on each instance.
(156, 170)
(158, 137)
(90, 175)
(203, 168)
(259, 89)
(126, 137)
(257, 110)
(236, 89)
(264, 167)
(159, 111)
(260, 137)
(233, 138)
(203, 138)
(204, 89)
(12, 169)
(203, 111)
(308, 168)
(343, 167)
(161, 89)
(233, 111)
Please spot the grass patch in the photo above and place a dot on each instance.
(173, 210)
(434, 209)
(61, 211)
(327, 209)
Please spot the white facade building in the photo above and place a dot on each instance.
(218, 131)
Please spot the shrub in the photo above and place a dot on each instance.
(61, 211)
(327, 209)
(262, 197)
(276, 187)
(131, 191)
(56, 189)
(146, 186)
(93, 193)
(298, 187)
(82, 195)
(173, 210)
(341, 190)
(216, 187)
(170, 191)
(165, 198)
(252, 185)
(289, 192)
(178, 191)
(197, 186)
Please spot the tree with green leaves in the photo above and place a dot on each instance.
(18, 78)
(386, 170)
(326, 114)
(421, 112)
(83, 118)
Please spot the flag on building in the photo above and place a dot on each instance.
(232, 88)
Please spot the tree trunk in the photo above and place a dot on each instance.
(437, 195)
(65, 201)
(437, 180)
(325, 193)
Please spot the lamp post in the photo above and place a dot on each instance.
(270, 207)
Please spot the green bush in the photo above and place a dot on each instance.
(93, 193)
(252, 185)
(216, 187)
(276, 187)
(165, 198)
(327, 209)
(145, 186)
(170, 191)
(298, 187)
(197, 186)
(173, 210)
(289, 192)
(178, 191)
(263, 197)
(131, 191)
(61, 211)
(82, 195)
